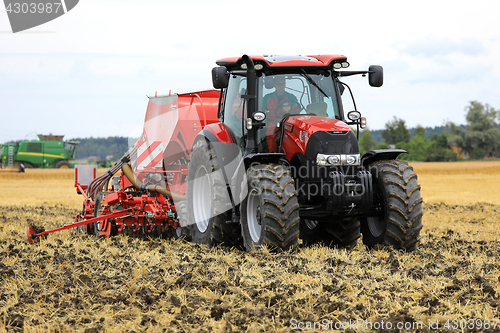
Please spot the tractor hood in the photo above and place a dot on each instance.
(310, 135)
(312, 124)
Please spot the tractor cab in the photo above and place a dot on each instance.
(292, 98)
(306, 97)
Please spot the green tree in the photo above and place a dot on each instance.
(481, 137)
(440, 150)
(366, 142)
(396, 132)
(422, 149)
(418, 146)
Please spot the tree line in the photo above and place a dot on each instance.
(478, 139)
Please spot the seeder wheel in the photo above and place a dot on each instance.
(81, 229)
(101, 228)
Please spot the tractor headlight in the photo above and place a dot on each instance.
(351, 159)
(259, 116)
(339, 159)
(333, 159)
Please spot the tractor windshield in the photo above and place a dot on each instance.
(299, 93)
(279, 95)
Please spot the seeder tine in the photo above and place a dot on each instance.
(31, 236)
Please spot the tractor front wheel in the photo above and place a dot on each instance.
(397, 192)
(334, 231)
(270, 210)
(344, 232)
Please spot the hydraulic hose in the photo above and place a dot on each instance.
(127, 171)
(101, 183)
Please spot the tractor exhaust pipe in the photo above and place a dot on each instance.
(251, 146)
(127, 171)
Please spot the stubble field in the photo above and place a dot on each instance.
(71, 283)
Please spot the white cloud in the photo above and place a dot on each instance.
(433, 46)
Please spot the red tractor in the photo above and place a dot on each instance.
(265, 160)
(282, 163)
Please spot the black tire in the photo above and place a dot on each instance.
(344, 232)
(64, 165)
(397, 191)
(310, 232)
(336, 231)
(81, 229)
(84, 229)
(208, 200)
(97, 213)
(270, 210)
(182, 216)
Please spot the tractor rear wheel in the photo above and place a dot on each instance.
(397, 192)
(270, 210)
(208, 199)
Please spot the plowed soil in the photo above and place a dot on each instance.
(70, 282)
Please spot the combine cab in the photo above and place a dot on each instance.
(267, 159)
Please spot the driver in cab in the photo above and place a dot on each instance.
(277, 104)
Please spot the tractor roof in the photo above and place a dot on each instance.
(326, 61)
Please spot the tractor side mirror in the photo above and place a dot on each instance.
(375, 76)
(220, 77)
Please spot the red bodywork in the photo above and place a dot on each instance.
(326, 60)
(298, 130)
(176, 120)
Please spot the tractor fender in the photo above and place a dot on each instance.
(239, 175)
(225, 146)
(378, 155)
(227, 152)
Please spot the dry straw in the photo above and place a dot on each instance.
(70, 283)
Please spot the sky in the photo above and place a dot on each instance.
(88, 73)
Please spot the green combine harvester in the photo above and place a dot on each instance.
(48, 152)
